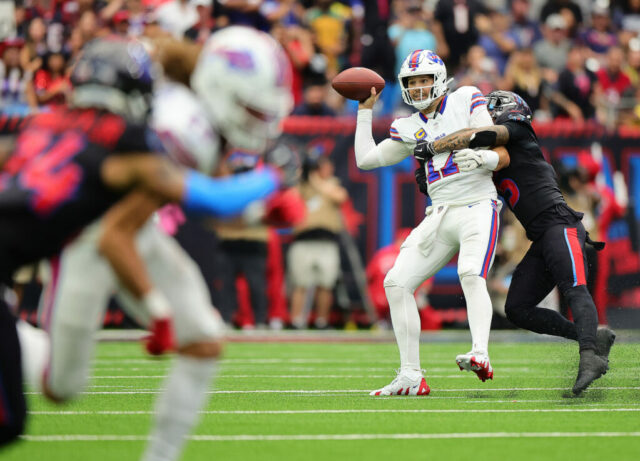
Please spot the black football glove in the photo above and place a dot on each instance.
(424, 151)
(421, 178)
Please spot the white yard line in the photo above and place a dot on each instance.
(354, 391)
(309, 437)
(311, 412)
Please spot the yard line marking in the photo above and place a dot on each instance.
(355, 391)
(223, 376)
(309, 412)
(306, 361)
(307, 437)
(363, 376)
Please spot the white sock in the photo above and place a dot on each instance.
(178, 406)
(406, 326)
(34, 345)
(479, 312)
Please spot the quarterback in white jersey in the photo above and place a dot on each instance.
(235, 63)
(463, 216)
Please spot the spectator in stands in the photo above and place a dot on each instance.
(240, 13)
(525, 77)
(628, 12)
(409, 32)
(632, 63)
(600, 36)
(177, 16)
(614, 85)
(242, 251)
(313, 259)
(35, 48)
(51, 83)
(577, 84)
(298, 44)
(551, 52)
(458, 19)
(120, 22)
(523, 30)
(137, 16)
(568, 9)
(328, 23)
(316, 89)
(495, 38)
(376, 50)
(480, 71)
(16, 87)
(89, 27)
(286, 12)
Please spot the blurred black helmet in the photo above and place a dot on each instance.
(507, 105)
(114, 74)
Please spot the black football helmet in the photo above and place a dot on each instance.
(114, 74)
(507, 105)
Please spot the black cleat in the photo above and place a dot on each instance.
(604, 340)
(591, 367)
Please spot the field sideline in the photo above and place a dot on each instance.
(308, 400)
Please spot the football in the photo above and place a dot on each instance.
(356, 82)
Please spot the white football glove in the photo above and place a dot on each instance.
(470, 159)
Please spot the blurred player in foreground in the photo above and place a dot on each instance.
(557, 255)
(463, 216)
(197, 325)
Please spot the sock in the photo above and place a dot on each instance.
(406, 325)
(178, 406)
(479, 312)
(34, 343)
(585, 316)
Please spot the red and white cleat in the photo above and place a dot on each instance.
(477, 363)
(160, 339)
(406, 383)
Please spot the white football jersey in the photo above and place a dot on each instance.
(184, 128)
(464, 108)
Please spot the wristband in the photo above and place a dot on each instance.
(156, 304)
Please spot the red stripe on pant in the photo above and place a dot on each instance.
(578, 259)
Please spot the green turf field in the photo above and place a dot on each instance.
(309, 401)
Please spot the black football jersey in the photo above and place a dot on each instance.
(528, 185)
(51, 186)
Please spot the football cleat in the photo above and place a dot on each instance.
(604, 340)
(405, 384)
(477, 363)
(591, 367)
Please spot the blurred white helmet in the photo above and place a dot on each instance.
(244, 80)
(423, 62)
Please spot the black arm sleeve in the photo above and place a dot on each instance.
(517, 130)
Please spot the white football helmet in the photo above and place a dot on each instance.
(244, 81)
(183, 126)
(423, 62)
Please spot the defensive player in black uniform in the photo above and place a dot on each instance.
(556, 257)
(73, 165)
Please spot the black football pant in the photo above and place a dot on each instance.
(13, 409)
(232, 261)
(557, 258)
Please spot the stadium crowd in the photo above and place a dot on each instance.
(571, 59)
(568, 58)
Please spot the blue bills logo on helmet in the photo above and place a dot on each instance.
(434, 58)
